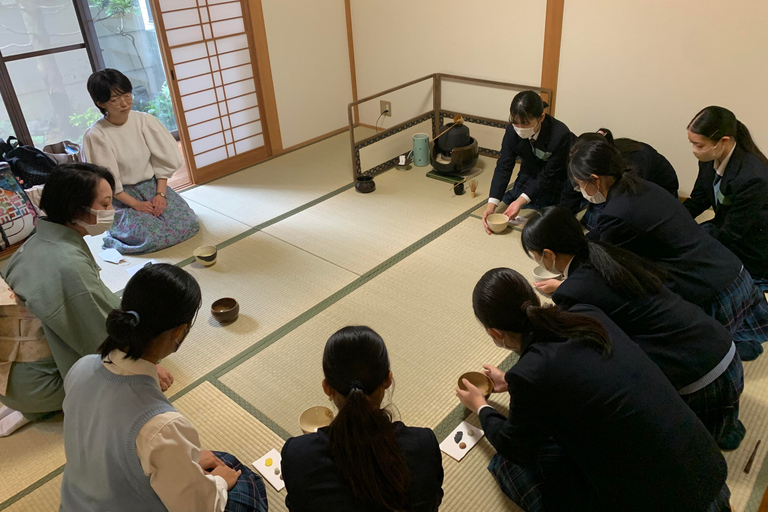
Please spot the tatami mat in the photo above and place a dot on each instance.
(29, 455)
(754, 414)
(469, 483)
(44, 499)
(369, 228)
(422, 308)
(277, 186)
(214, 228)
(224, 426)
(272, 281)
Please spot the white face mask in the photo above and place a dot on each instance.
(552, 270)
(104, 220)
(598, 198)
(707, 155)
(524, 133)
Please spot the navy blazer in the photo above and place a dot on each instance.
(741, 221)
(548, 174)
(314, 483)
(683, 341)
(639, 446)
(642, 159)
(655, 225)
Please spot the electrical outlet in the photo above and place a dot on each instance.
(385, 108)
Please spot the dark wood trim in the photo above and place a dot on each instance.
(13, 107)
(351, 44)
(43, 53)
(553, 32)
(90, 37)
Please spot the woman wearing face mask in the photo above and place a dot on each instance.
(55, 276)
(642, 217)
(593, 424)
(693, 350)
(733, 180)
(641, 159)
(127, 448)
(542, 143)
(362, 460)
(141, 154)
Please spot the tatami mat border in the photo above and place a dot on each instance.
(32, 488)
(324, 304)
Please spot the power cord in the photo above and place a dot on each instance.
(376, 126)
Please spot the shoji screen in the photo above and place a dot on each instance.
(209, 50)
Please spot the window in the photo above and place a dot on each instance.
(49, 48)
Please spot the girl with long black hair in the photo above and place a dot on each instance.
(362, 460)
(593, 424)
(643, 218)
(733, 180)
(641, 158)
(542, 143)
(693, 350)
(127, 447)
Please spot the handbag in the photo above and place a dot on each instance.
(64, 152)
(17, 215)
(30, 165)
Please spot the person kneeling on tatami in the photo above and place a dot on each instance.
(127, 448)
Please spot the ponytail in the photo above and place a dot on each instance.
(362, 436)
(744, 139)
(628, 274)
(714, 123)
(156, 299)
(556, 228)
(504, 300)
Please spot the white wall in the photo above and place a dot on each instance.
(644, 68)
(309, 56)
(399, 40)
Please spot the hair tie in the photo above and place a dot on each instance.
(136, 316)
(356, 384)
(525, 305)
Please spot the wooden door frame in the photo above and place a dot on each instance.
(553, 33)
(252, 16)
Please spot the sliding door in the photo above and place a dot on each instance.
(209, 52)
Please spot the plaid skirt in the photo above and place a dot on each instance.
(553, 483)
(723, 501)
(743, 310)
(717, 405)
(526, 486)
(135, 232)
(249, 493)
(548, 198)
(589, 220)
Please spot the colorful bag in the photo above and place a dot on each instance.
(17, 216)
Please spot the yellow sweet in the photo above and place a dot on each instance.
(268, 462)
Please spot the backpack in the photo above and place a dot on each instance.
(30, 165)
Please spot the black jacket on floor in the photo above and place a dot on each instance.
(741, 223)
(553, 142)
(655, 225)
(619, 419)
(683, 341)
(314, 483)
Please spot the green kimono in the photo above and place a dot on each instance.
(56, 276)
